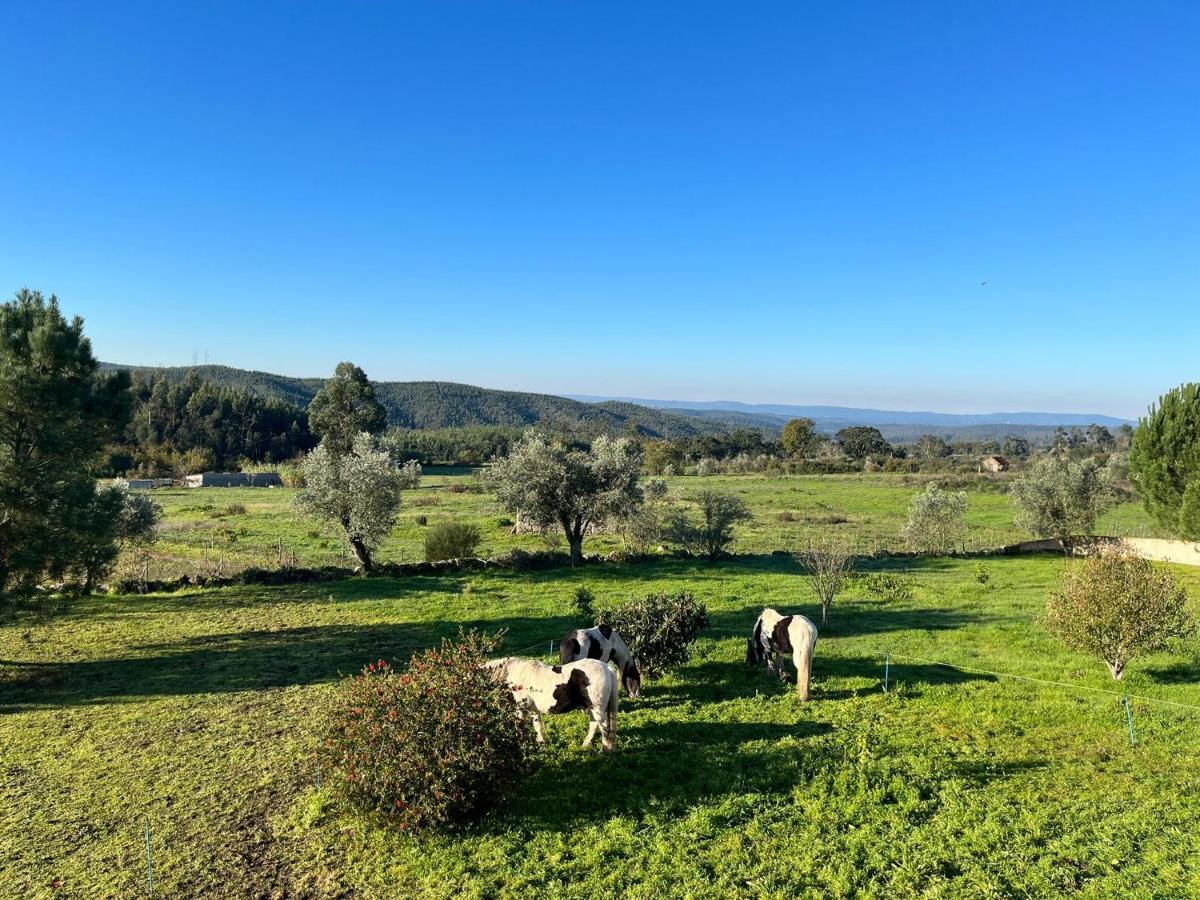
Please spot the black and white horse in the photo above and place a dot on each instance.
(606, 645)
(776, 635)
(540, 690)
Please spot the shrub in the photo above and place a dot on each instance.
(712, 533)
(826, 562)
(937, 520)
(584, 603)
(1117, 606)
(642, 528)
(887, 586)
(655, 489)
(982, 573)
(451, 540)
(658, 628)
(440, 743)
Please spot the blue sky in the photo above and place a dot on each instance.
(766, 202)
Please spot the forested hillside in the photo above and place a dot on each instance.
(436, 404)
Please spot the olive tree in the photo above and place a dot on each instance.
(937, 520)
(358, 492)
(1116, 606)
(1164, 461)
(1058, 497)
(550, 484)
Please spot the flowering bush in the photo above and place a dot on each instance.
(659, 628)
(438, 743)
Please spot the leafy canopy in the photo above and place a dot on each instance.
(1117, 606)
(358, 492)
(549, 483)
(1058, 497)
(937, 520)
(345, 408)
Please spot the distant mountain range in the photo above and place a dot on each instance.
(438, 404)
(831, 418)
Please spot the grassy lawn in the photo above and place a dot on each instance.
(199, 711)
(227, 529)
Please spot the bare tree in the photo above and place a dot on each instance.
(827, 563)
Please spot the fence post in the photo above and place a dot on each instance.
(149, 860)
(887, 665)
(1129, 720)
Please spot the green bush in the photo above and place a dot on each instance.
(584, 603)
(658, 628)
(887, 586)
(451, 540)
(1116, 607)
(439, 743)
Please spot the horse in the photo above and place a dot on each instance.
(775, 635)
(540, 690)
(604, 644)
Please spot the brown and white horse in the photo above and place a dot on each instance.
(775, 635)
(540, 690)
(606, 645)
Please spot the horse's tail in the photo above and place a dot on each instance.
(568, 648)
(803, 659)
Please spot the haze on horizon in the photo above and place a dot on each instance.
(941, 208)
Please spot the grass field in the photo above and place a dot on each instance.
(224, 530)
(198, 712)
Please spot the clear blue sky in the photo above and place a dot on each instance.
(792, 202)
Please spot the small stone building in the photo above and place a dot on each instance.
(233, 479)
(994, 464)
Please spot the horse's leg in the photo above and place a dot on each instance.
(595, 724)
(539, 730)
(610, 720)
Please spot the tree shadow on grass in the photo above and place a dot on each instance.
(719, 681)
(241, 661)
(1182, 672)
(666, 767)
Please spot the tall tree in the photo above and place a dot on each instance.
(553, 484)
(344, 408)
(860, 441)
(800, 437)
(1164, 461)
(57, 412)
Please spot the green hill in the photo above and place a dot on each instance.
(440, 404)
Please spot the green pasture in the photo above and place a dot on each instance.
(198, 712)
(205, 530)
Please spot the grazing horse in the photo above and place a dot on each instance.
(540, 690)
(606, 645)
(775, 635)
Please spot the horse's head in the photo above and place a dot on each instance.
(631, 678)
(754, 652)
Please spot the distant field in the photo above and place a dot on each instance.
(205, 530)
(198, 712)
